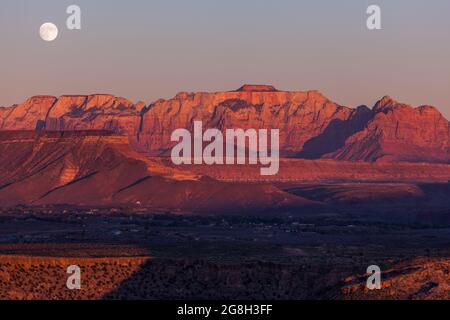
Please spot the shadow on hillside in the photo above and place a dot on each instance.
(201, 280)
(334, 136)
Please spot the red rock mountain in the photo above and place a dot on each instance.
(311, 126)
(398, 132)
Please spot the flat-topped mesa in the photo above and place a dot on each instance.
(300, 116)
(256, 88)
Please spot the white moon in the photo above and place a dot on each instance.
(48, 31)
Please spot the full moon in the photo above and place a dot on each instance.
(48, 31)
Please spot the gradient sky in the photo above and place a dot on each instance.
(145, 50)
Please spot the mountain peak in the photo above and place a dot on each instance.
(384, 103)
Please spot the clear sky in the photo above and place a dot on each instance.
(145, 50)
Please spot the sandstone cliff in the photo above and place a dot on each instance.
(399, 132)
(311, 126)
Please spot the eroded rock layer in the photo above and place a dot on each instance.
(311, 126)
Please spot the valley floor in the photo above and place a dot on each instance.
(128, 255)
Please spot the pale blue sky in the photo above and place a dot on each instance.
(145, 50)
